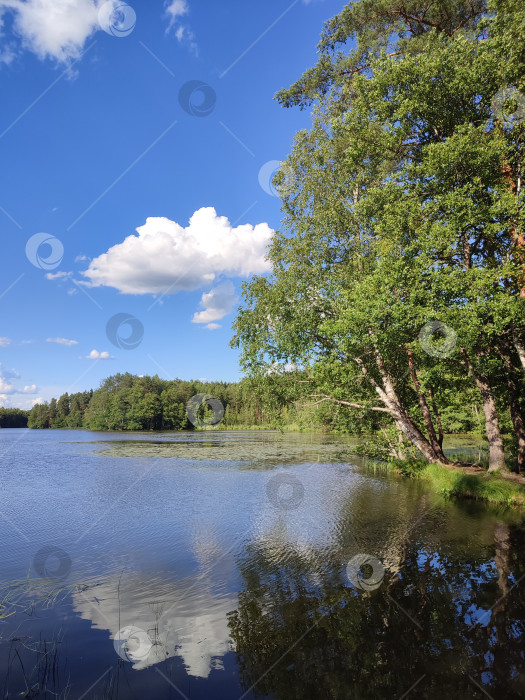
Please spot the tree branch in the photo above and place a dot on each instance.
(343, 403)
(352, 71)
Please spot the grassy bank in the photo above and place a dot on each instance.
(457, 483)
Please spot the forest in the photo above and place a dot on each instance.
(13, 418)
(130, 402)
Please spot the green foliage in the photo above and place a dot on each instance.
(402, 205)
(273, 401)
(13, 418)
(67, 412)
(413, 468)
(128, 402)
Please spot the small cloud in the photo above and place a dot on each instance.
(62, 341)
(7, 55)
(5, 376)
(82, 258)
(30, 389)
(35, 401)
(8, 373)
(5, 387)
(175, 9)
(96, 355)
(4, 342)
(27, 342)
(213, 326)
(217, 303)
(57, 275)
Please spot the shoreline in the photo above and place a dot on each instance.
(458, 482)
(469, 483)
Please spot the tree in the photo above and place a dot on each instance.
(401, 212)
(13, 418)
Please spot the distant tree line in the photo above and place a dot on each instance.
(13, 418)
(128, 402)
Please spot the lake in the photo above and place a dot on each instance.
(247, 565)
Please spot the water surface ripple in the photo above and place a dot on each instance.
(247, 565)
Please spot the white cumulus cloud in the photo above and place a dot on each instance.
(216, 304)
(30, 389)
(166, 258)
(56, 29)
(62, 341)
(4, 342)
(96, 355)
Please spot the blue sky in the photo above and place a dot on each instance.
(156, 116)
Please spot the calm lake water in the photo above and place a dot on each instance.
(247, 565)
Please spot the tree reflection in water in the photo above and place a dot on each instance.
(440, 623)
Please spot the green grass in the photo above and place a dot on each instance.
(456, 483)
